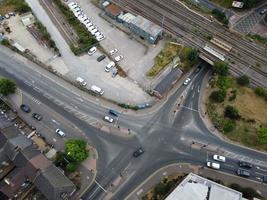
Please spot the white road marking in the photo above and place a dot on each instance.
(48, 96)
(27, 83)
(265, 170)
(36, 101)
(37, 89)
(193, 94)
(198, 89)
(100, 186)
(190, 108)
(55, 122)
(260, 173)
(228, 165)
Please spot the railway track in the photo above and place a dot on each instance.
(180, 25)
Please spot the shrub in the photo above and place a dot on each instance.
(229, 125)
(263, 135)
(231, 112)
(233, 96)
(193, 55)
(220, 16)
(71, 167)
(243, 80)
(224, 82)
(218, 96)
(260, 92)
(7, 86)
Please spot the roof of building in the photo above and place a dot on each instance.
(25, 155)
(199, 188)
(53, 183)
(127, 17)
(147, 26)
(113, 9)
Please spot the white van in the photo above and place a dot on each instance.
(60, 132)
(97, 90)
(109, 66)
(81, 81)
(213, 165)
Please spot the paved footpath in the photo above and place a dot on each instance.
(156, 177)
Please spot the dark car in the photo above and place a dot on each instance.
(25, 108)
(37, 116)
(264, 179)
(242, 172)
(138, 152)
(114, 113)
(245, 164)
(100, 58)
(198, 69)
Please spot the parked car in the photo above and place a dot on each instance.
(92, 51)
(100, 58)
(114, 113)
(198, 69)
(264, 179)
(187, 81)
(93, 31)
(25, 108)
(108, 119)
(242, 172)
(113, 51)
(213, 165)
(245, 164)
(97, 33)
(81, 81)
(118, 58)
(109, 66)
(219, 158)
(138, 152)
(100, 38)
(37, 116)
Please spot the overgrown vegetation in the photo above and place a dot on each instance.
(46, 36)
(258, 38)
(183, 57)
(220, 16)
(247, 192)
(75, 152)
(163, 188)
(86, 40)
(236, 110)
(19, 6)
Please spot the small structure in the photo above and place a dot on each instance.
(104, 4)
(199, 188)
(145, 29)
(27, 19)
(237, 4)
(126, 19)
(113, 11)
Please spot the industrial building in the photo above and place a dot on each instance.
(199, 188)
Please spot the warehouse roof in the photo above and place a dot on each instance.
(113, 9)
(147, 26)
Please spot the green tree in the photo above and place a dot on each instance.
(228, 125)
(221, 68)
(231, 112)
(76, 150)
(218, 95)
(260, 92)
(224, 82)
(263, 135)
(243, 80)
(7, 86)
(220, 16)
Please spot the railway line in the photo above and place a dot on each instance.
(180, 25)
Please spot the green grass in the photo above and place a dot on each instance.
(223, 3)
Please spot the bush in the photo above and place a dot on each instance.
(76, 150)
(247, 192)
(218, 96)
(233, 96)
(231, 112)
(228, 125)
(7, 86)
(71, 167)
(263, 135)
(193, 55)
(221, 68)
(224, 82)
(260, 92)
(5, 42)
(243, 80)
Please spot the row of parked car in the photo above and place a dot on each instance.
(91, 27)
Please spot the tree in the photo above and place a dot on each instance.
(263, 135)
(220, 16)
(76, 150)
(231, 112)
(228, 125)
(243, 80)
(7, 86)
(260, 92)
(218, 95)
(221, 68)
(249, 3)
(71, 167)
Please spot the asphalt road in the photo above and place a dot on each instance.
(166, 138)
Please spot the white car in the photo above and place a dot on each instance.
(100, 37)
(93, 31)
(108, 119)
(219, 158)
(113, 51)
(97, 34)
(90, 28)
(187, 81)
(86, 21)
(70, 5)
(78, 13)
(109, 66)
(118, 58)
(213, 165)
(88, 24)
(92, 51)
